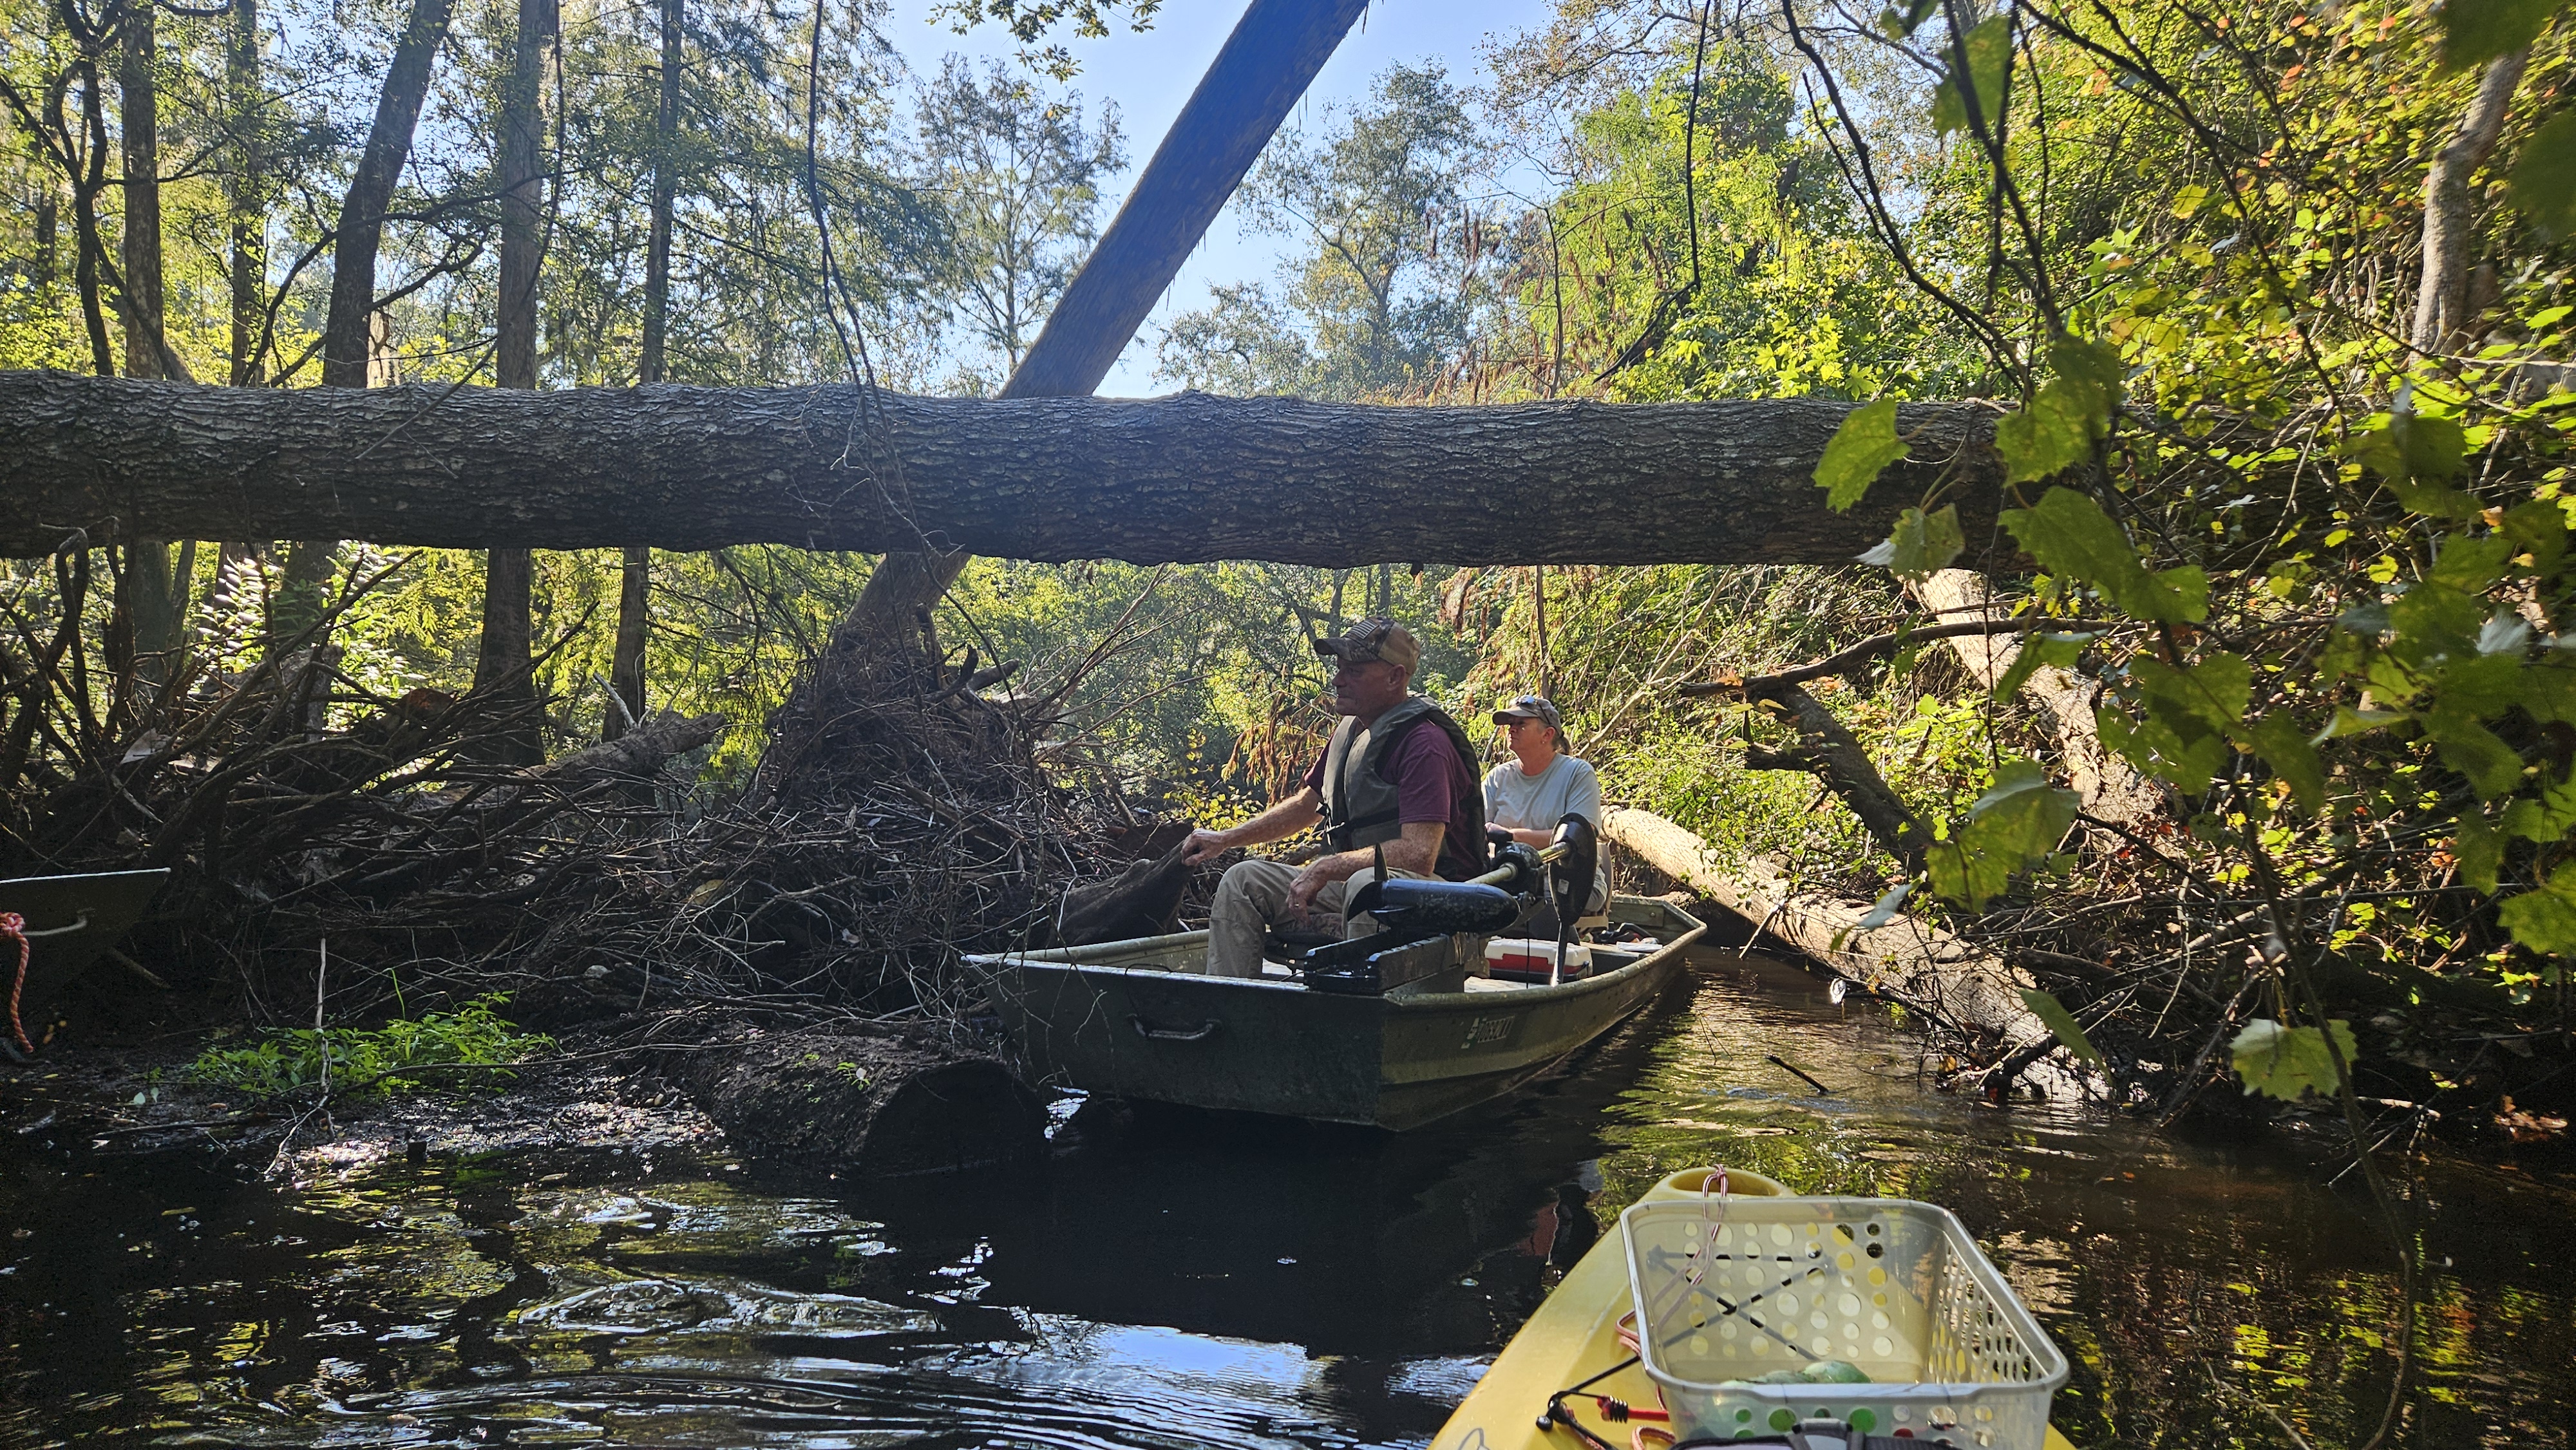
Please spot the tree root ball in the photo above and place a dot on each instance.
(877, 1103)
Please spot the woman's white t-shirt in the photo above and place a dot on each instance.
(1537, 802)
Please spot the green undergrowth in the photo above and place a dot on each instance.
(472, 1047)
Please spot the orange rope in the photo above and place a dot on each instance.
(14, 926)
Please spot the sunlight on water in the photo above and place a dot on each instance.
(1185, 1280)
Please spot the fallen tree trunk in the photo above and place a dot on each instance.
(1182, 479)
(1908, 963)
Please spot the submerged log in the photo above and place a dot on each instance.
(855, 1100)
(1183, 479)
(1904, 961)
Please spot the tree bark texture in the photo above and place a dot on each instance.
(635, 577)
(147, 350)
(1184, 479)
(2109, 786)
(245, 199)
(371, 189)
(1834, 755)
(2441, 302)
(1265, 66)
(502, 672)
(145, 590)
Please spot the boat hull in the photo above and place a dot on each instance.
(1137, 1020)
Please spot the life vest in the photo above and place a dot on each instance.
(1360, 806)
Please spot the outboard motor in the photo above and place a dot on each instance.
(1415, 921)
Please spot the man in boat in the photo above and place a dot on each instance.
(1396, 778)
(1539, 786)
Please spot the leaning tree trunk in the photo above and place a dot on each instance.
(1184, 479)
(1266, 64)
(504, 668)
(2107, 784)
(1904, 961)
(245, 198)
(2441, 299)
(313, 561)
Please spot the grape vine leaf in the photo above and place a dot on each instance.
(2289, 1062)
(2543, 182)
(2070, 535)
(2059, 651)
(1861, 450)
(2477, 31)
(2048, 1009)
(1923, 543)
(1987, 52)
(2544, 919)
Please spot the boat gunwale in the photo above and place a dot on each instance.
(993, 964)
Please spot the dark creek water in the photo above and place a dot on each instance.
(1187, 1280)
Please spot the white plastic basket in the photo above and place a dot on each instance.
(1731, 1289)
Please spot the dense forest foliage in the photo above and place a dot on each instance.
(2256, 710)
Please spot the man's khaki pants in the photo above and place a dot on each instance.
(1252, 895)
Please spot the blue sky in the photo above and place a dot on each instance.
(1151, 74)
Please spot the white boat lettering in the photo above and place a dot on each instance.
(1486, 1029)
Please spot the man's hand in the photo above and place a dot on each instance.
(1205, 846)
(1309, 884)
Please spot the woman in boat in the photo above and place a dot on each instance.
(1538, 787)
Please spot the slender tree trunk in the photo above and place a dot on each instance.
(245, 199)
(635, 583)
(2441, 301)
(151, 600)
(92, 259)
(313, 563)
(1266, 64)
(503, 667)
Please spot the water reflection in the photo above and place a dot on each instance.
(1187, 1279)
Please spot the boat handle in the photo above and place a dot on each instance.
(80, 925)
(1201, 1033)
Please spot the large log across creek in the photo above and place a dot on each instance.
(1182, 479)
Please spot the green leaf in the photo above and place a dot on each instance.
(2545, 919)
(2477, 31)
(2188, 200)
(2549, 688)
(1861, 449)
(2049, 435)
(2211, 693)
(2348, 721)
(2021, 815)
(2538, 527)
(2416, 454)
(2040, 651)
(2471, 565)
(2480, 851)
(2469, 747)
(2018, 820)
(2093, 371)
(2154, 747)
(1898, 24)
(2069, 534)
(1987, 53)
(1923, 543)
(2283, 746)
(2289, 1062)
(2061, 1022)
(2543, 183)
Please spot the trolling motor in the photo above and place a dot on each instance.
(1416, 920)
(1569, 881)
